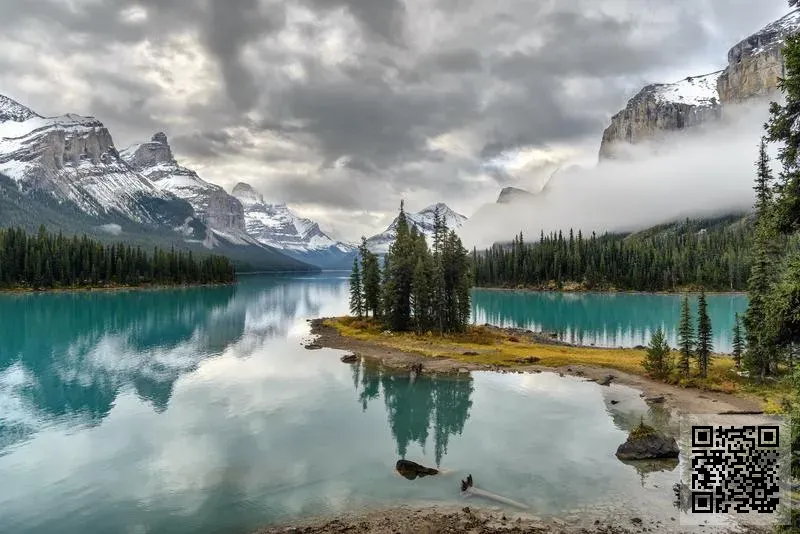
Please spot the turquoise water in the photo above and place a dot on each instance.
(604, 319)
(199, 410)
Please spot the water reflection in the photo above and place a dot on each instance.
(602, 319)
(413, 406)
(66, 356)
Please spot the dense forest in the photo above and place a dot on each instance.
(714, 255)
(48, 260)
(418, 288)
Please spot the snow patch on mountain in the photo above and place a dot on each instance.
(694, 90)
(422, 221)
(73, 158)
(278, 226)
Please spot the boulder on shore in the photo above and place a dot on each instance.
(648, 445)
(606, 381)
(412, 470)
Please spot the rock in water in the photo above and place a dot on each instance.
(349, 358)
(649, 447)
(412, 470)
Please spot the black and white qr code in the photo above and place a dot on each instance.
(735, 469)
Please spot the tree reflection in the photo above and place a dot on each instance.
(437, 405)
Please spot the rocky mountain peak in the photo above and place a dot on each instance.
(160, 137)
(146, 155)
(247, 195)
(11, 110)
(512, 194)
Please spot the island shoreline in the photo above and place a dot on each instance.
(107, 289)
(676, 398)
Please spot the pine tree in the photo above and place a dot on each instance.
(686, 339)
(356, 294)
(657, 361)
(371, 283)
(738, 341)
(704, 335)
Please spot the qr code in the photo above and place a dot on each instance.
(735, 468)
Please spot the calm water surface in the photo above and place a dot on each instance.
(605, 319)
(199, 410)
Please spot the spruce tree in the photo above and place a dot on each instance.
(657, 361)
(704, 335)
(356, 294)
(738, 341)
(686, 339)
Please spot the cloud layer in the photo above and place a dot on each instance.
(341, 107)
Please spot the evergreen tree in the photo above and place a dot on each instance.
(686, 339)
(738, 341)
(657, 361)
(356, 294)
(759, 359)
(370, 280)
(704, 335)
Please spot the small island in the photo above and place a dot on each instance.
(48, 261)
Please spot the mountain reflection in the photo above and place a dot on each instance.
(68, 355)
(413, 406)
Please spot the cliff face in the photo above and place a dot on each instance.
(211, 203)
(662, 107)
(756, 63)
(754, 66)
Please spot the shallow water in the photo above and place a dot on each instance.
(199, 410)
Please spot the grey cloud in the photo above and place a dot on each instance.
(383, 18)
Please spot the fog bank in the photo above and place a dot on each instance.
(699, 173)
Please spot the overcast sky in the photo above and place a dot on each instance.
(342, 107)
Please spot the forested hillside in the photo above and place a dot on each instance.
(714, 254)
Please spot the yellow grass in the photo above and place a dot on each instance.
(495, 347)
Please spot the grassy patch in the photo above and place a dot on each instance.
(482, 345)
(642, 430)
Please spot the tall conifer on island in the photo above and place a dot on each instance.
(370, 280)
(704, 335)
(356, 295)
(419, 288)
(685, 338)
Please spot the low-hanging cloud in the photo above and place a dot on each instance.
(702, 173)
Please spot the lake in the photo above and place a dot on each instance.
(605, 319)
(199, 410)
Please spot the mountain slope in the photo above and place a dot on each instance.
(66, 173)
(215, 207)
(277, 226)
(422, 220)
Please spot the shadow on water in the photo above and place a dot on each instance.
(415, 409)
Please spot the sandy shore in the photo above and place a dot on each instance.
(450, 520)
(676, 398)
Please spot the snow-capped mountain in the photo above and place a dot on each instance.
(422, 220)
(65, 172)
(73, 159)
(222, 212)
(278, 226)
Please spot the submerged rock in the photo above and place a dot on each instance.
(412, 470)
(313, 346)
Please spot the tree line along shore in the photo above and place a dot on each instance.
(47, 261)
